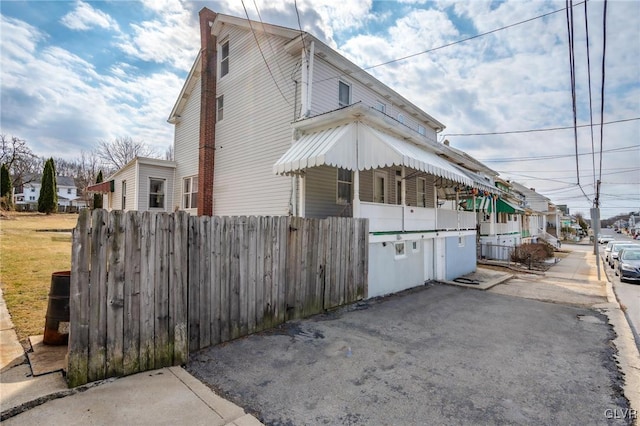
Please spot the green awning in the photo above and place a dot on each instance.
(506, 207)
(485, 204)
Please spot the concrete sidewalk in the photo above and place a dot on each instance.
(167, 396)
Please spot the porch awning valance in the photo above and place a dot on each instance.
(357, 146)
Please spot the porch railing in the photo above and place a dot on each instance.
(391, 217)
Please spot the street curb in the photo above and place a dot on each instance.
(628, 356)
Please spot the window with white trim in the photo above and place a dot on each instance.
(220, 107)
(124, 195)
(401, 118)
(344, 94)
(68, 190)
(421, 185)
(190, 192)
(400, 250)
(422, 130)
(156, 193)
(380, 106)
(345, 186)
(460, 241)
(224, 58)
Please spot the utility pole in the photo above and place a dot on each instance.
(595, 221)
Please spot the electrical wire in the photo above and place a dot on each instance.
(262, 54)
(604, 49)
(364, 69)
(593, 149)
(548, 129)
(273, 52)
(552, 157)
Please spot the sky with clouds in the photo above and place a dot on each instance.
(75, 73)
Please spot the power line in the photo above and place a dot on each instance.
(262, 54)
(593, 149)
(552, 157)
(273, 52)
(548, 129)
(466, 39)
(604, 49)
(447, 45)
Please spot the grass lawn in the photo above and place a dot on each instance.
(27, 260)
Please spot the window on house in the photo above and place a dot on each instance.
(124, 194)
(190, 193)
(68, 190)
(345, 185)
(156, 193)
(460, 241)
(400, 250)
(380, 187)
(224, 58)
(344, 94)
(381, 107)
(398, 190)
(422, 192)
(220, 103)
(33, 189)
(422, 130)
(401, 118)
(32, 198)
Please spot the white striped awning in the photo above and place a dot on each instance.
(357, 146)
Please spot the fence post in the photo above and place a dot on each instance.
(77, 368)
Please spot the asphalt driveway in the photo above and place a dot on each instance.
(435, 355)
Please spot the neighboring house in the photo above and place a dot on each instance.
(143, 184)
(68, 193)
(545, 218)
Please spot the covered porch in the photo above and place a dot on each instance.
(366, 167)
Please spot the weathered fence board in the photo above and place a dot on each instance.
(148, 288)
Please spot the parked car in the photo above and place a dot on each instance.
(604, 239)
(615, 248)
(628, 264)
(607, 249)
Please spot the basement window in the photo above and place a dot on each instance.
(400, 250)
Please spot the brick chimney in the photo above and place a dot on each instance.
(206, 146)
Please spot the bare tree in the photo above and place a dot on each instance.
(121, 150)
(169, 153)
(22, 163)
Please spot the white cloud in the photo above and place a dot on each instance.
(63, 105)
(85, 17)
(171, 38)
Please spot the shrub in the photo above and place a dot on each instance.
(536, 252)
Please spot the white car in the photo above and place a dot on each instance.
(603, 239)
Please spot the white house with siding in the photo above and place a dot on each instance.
(272, 121)
(68, 194)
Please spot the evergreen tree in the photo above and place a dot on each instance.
(48, 200)
(97, 197)
(5, 186)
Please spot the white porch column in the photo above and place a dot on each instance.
(356, 194)
(301, 194)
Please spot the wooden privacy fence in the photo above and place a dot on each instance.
(148, 288)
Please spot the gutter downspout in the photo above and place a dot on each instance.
(310, 79)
